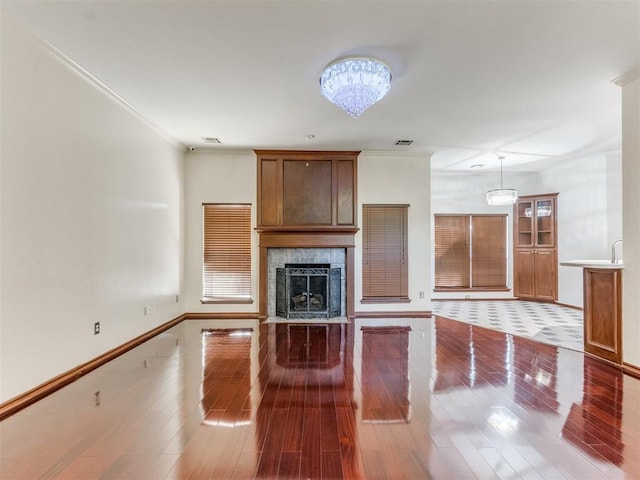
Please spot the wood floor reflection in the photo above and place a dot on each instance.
(395, 399)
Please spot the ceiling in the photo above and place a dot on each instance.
(531, 80)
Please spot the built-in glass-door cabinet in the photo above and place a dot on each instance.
(535, 251)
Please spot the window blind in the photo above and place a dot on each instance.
(385, 261)
(470, 251)
(489, 259)
(452, 251)
(226, 269)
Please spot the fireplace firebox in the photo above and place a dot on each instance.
(308, 291)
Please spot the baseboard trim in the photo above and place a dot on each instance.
(628, 368)
(632, 370)
(470, 290)
(221, 316)
(404, 314)
(487, 299)
(16, 404)
(569, 306)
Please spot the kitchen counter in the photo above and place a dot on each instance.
(602, 282)
(593, 264)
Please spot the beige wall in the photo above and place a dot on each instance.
(91, 212)
(216, 177)
(385, 178)
(230, 177)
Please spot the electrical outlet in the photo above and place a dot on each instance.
(177, 298)
(147, 310)
(421, 294)
(96, 328)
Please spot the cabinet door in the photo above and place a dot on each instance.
(524, 268)
(545, 274)
(523, 217)
(545, 222)
(602, 313)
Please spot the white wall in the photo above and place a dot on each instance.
(589, 214)
(217, 177)
(631, 221)
(401, 179)
(467, 193)
(91, 208)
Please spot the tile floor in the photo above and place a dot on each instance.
(544, 322)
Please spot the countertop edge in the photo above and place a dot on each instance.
(588, 264)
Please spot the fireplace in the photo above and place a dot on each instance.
(308, 290)
(277, 249)
(315, 276)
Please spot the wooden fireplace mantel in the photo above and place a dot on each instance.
(307, 238)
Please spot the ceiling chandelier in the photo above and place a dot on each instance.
(502, 196)
(355, 83)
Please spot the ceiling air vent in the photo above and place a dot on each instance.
(404, 142)
(211, 140)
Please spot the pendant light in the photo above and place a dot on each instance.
(502, 196)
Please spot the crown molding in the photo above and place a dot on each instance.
(97, 83)
(627, 77)
(93, 80)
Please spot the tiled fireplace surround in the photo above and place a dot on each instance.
(280, 247)
(279, 257)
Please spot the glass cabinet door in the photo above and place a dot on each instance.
(525, 224)
(544, 215)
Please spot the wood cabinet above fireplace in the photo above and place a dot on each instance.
(306, 190)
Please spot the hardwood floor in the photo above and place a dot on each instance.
(395, 399)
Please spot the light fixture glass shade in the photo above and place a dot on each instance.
(502, 196)
(355, 83)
